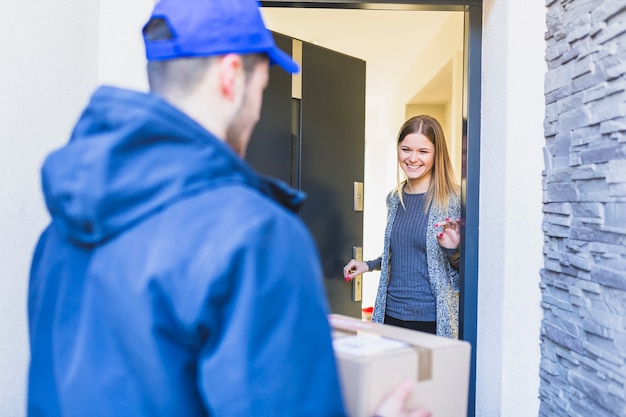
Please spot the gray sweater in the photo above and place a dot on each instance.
(443, 277)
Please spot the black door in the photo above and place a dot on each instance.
(317, 144)
(270, 148)
(333, 152)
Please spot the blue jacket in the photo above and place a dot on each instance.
(172, 280)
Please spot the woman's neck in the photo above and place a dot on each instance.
(416, 187)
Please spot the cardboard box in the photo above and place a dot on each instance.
(373, 358)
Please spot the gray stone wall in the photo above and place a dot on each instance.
(583, 283)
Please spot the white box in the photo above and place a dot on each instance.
(373, 358)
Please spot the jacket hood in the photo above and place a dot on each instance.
(132, 153)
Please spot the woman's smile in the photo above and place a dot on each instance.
(416, 155)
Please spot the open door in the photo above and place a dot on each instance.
(315, 141)
(471, 128)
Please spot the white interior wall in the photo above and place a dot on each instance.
(378, 181)
(49, 66)
(511, 239)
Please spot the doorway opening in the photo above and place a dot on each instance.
(448, 87)
(414, 65)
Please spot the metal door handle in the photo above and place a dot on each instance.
(357, 288)
(358, 196)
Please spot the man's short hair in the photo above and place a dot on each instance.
(183, 74)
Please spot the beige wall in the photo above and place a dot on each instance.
(448, 111)
(451, 124)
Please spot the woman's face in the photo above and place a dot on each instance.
(416, 156)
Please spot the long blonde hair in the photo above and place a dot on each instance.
(442, 183)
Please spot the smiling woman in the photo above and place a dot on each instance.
(419, 286)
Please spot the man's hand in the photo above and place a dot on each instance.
(393, 405)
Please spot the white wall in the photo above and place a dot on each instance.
(121, 55)
(511, 240)
(49, 68)
(49, 64)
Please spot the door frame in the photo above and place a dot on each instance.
(470, 176)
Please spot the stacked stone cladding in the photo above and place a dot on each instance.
(583, 282)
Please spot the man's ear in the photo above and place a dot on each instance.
(231, 76)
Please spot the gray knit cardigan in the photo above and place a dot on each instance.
(444, 278)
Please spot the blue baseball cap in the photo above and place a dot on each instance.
(202, 28)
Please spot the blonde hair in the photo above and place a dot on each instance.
(442, 183)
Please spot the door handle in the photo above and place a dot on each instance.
(358, 196)
(357, 281)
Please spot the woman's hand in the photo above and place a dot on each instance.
(354, 268)
(449, 233)
(394, 404)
